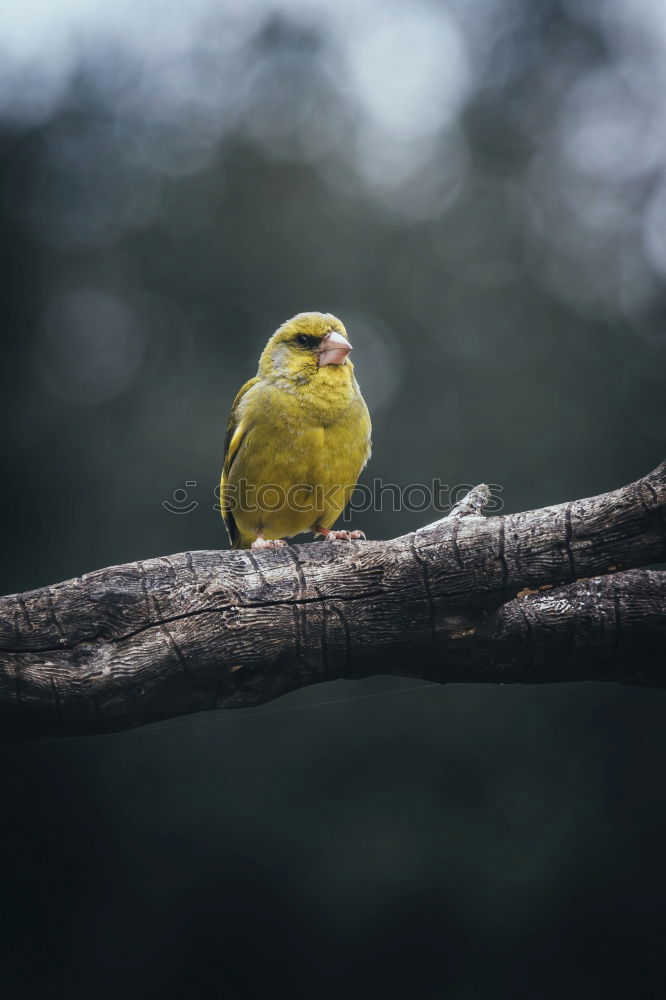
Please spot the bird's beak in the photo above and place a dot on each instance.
(334, 349)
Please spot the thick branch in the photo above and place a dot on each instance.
(466, 598)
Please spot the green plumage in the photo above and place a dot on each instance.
(297, 439)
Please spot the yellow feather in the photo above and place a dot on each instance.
(298, 437)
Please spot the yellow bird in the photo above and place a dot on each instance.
(297, 439)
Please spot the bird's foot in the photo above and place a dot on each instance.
(344, 536)
(268, 543)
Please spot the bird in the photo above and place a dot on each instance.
(298, 436)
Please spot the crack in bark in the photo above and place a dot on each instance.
(423, 569)
(52, 611)
(180, 656)
(151, 601)
(568, 535)
(348, 642)
(456, 549)
(324, 637)
(656, 509)
(299, 620)
(501, 555)
(257, 568)
(26, 614)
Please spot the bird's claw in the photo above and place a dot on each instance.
(344, 536)
(268, 543)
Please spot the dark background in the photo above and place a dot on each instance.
(478, 191)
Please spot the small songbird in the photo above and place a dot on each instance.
(297, 439)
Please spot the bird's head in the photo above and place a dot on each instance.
(304, 345)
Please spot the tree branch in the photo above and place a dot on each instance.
(520, 598)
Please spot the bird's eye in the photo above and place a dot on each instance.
(304, 340)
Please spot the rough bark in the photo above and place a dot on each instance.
(541, 596)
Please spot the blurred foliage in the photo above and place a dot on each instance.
(478, 190)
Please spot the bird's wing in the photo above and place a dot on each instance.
(235, 432)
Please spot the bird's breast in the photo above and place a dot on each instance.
(310, 447)
(298, 431)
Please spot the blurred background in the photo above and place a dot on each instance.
(479, 192)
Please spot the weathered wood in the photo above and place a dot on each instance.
(463, 599)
